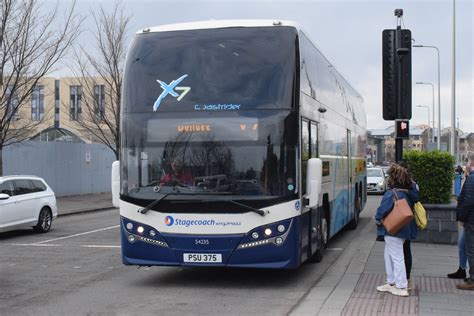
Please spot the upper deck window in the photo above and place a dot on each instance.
(226, 69)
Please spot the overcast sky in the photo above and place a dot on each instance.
(349, 33)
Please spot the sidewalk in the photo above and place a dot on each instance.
(68, 205)
(349, 286)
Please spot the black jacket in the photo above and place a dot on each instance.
(465, 211)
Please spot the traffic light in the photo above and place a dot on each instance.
(396, 76)
(404, 60)
(402, 130)
(389, 78)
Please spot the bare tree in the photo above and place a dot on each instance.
(29, 48)
(100, 76)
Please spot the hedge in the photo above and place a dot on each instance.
(434, 173)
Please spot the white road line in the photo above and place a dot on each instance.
(76, 235)
(99, 246)
(36, 245)
(335, 249)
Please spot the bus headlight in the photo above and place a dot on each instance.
(279, 240)
(255, 235)
(129, 226)
(140, 229)
(268, 231)
(131, 238)
(152, 233)
(281, 228)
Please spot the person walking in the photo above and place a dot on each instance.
(465, 214)
(401, 183)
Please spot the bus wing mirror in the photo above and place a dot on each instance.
(313, 182)
(116, 183)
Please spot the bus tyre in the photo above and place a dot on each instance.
(44, 221)
(323, 237)
(355, 221)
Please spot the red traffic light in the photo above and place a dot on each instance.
(402, 129)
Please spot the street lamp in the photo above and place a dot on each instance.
(432, 89)
(439, 95)
(429, 126)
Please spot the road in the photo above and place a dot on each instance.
(76, 269)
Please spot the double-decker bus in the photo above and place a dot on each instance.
(242, 146)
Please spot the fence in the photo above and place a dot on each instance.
(69, 168)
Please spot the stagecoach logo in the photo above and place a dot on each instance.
(170, 89)
(169, 220)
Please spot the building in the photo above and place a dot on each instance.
(65, 108)
(381, 142)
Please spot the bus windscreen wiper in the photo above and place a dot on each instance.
(253, 209)
(155, 202)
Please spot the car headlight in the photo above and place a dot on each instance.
(380, 183)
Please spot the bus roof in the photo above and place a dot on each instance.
(213, 24)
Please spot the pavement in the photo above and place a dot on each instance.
(349, 286)
(68, 205)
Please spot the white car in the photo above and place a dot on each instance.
(26, 201)
(376, 181)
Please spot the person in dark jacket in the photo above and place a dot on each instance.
(401, 183)
(465, 214)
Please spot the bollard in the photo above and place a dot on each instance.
(457, 184)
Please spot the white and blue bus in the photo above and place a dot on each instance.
(242, 146)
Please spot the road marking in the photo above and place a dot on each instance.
(335, 249)
(38, 245)
(100, 246)
(76, 235)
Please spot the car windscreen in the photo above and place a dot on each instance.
(374, 173)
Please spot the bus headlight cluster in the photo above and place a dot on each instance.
(270, 234)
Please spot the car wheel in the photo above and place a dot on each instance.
(44, 221)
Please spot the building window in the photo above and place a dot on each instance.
(75, 102)
(99, 102)
(37, 103)
(12, 104)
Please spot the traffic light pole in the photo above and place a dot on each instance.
(398, 141)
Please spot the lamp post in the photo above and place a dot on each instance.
(438, 143)
(432, 89)
(429, 126)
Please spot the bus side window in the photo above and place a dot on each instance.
(314, 140)
(305, 152)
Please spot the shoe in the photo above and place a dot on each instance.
(385, 287)
(460, 274)
(469, 285)
(380, 238)
(399, 292)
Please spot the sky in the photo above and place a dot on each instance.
(349, 34)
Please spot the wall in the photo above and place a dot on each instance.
(66, 167)
(442, 226)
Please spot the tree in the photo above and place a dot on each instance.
(30, 46)
(100, 76)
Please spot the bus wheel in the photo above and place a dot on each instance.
(323, 237)
(355, 220)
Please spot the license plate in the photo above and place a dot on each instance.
(202, 257)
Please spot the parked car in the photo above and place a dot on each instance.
(376, 181)
(26, 201)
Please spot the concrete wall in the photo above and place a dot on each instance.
(442, 226)
(69, 168)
